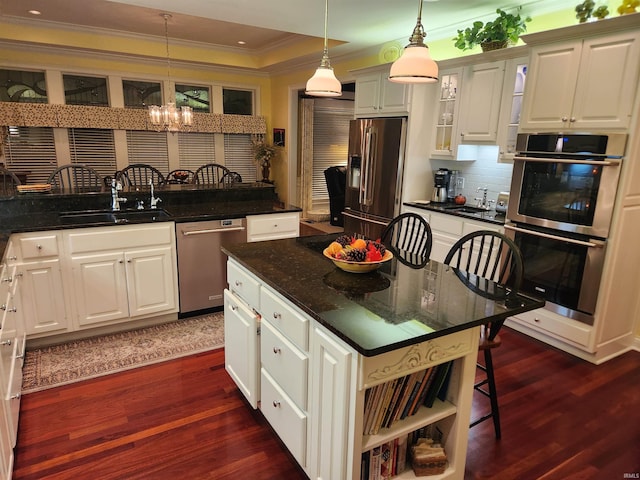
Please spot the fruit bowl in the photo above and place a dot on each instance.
(358, 267)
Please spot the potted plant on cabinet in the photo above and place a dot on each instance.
(499, 33)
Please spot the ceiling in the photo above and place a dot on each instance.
(286, 26)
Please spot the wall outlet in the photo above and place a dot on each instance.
(460, 182)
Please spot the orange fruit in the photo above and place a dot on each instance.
(359, 244)
(333, 248)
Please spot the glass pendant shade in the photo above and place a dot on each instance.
(324, 83)
(414, 66)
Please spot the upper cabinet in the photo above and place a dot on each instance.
(447, 108)
(377, 96)
(582, 84)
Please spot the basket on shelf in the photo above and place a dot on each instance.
(428, 458)
(489, 46)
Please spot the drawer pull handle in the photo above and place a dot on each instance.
(6, 342)
(238, 283)
(276, 350)
(234, 308)
(3, 307)
(8, 279)
(15, 397)
(12, 257)
(277, 316)
(19, 274)
(12, 310)
(276, 403)
(537, 320)
(39, 247)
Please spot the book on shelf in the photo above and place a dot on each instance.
(386, 460)
(422, 392)
(438, 380)
(376, 393)
(442, 394)
(364, 465)
(384, 402)
(374, 463)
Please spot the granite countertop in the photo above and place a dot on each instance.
(393, 307)
(489, 216)
(40, 212)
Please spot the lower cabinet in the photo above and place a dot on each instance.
(313, 386)
(43, 299)
(118, 273)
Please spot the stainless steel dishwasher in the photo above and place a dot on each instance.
(202, 267)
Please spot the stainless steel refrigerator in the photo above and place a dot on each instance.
(374, 174)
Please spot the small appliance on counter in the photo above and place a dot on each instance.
(502, 202)
(441, 185)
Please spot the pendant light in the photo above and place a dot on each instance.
(415, 65)
(169, 117)
(324, 82)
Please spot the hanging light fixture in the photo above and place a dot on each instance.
(415, 65)
(169, 117)
(324, 82)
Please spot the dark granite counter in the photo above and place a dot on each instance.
(183, 203)
(489, 216)
(376, 312)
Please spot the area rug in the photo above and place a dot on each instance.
(79, 360)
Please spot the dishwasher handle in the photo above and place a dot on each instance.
(213, 230)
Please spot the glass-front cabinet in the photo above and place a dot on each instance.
(515, 78)
(447, 114)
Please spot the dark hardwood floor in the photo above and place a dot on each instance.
(562, 418)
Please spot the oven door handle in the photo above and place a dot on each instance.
(554, 237)
(565, 160)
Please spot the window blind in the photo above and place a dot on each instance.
(330, 143)
(196, 149)
(32, 150)
(93, 147)
(148, 147)
(238, 156)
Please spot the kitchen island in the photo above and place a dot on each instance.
(328, 338)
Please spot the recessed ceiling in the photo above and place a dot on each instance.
(262, 25)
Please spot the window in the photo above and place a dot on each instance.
(239, 102)
(194, 97)
(196, 149)
(23, 87)
(141, 94)
(239, 157)
(148, 147)
(79, 90)
(330, 141)
(31, 150)
(93, 147)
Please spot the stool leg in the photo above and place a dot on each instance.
(493, 394)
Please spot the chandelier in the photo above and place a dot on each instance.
(170, 118)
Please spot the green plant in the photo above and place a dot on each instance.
(263, 152)
(601, 12)
(584, 10)
(505, 28)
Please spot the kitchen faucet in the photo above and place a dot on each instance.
(115, 199)
(483, 202)
(154, 200)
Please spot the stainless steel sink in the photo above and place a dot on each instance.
(123, 216)
(469, 209)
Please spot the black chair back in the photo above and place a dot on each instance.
(409, 238)
(140, 174)
(8, 182)
(210, 174)
(229, 178)
(76, 178)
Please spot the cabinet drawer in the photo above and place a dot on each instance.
(243, 285)
(556, 325)
(38, 246)
(289, 422)
(120, 238)
(289, 322)
(285, 363)
(273, 226)
(446, 224)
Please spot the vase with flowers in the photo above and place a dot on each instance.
(263, 153)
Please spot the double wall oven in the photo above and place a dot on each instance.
(563, 193)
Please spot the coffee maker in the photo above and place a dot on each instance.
(441, 185)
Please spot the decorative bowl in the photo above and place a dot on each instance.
(358, 267)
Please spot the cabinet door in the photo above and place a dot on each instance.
(607, 82)
(481, 102)
(330, 407)
(100, 288)
(552, 75)
(241, 349)
(43, 297)
(367, 94)
(446, 121)
(150, 281)
(394, 97)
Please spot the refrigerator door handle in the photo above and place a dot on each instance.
(368, 164)
(359, 217)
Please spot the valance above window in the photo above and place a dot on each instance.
(114, 118)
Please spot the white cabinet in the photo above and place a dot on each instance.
(43, 294)
(273, 226)
(511, 107)
(376, 96)
(587, 84)
(481, 102)
(446, 110)
(118, 273)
